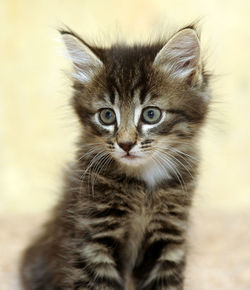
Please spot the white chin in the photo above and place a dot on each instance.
(132, 161)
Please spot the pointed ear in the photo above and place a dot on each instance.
(84, 60)
(180, 57)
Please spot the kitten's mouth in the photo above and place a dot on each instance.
(129, 156)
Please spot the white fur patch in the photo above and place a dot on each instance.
(154, 173)
(82, 77)
(117, 110)
(174, 255)
(137, 115)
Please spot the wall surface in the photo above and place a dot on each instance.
(38, 129)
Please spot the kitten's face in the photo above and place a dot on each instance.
(135, 132)
(131, 130)
(140, 105)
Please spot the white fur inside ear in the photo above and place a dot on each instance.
(180, 57)
(85, 62)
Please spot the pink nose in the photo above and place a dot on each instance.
(126, 146)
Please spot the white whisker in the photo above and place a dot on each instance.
(91, 163)
(173, 167)
(89, 152)
(177, 160)
(97, 169)
(183, 153)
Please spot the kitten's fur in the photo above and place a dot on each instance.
(122, 221)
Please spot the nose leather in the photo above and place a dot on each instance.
(126, 146)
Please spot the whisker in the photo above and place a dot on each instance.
(90, 151)
(183, 153)
(98, 168)
(175, 170)
(90, 144)
(148, 141)
(91, 163)
(145, 147)
(171, 148)
(177, 160)
(165, 151)
(169, 142)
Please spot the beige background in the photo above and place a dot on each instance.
(37, 128)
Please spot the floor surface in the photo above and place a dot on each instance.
(219, 255)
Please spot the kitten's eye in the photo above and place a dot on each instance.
(151, 115)
(107, 116)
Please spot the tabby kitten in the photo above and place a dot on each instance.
(122, 221)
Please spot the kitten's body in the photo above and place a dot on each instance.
(123, 218)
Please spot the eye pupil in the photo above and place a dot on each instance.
(151, 114)
(108, 115)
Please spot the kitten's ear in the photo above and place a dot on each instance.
(85, 62)
(180, 57)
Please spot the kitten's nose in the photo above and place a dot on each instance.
(126, 146)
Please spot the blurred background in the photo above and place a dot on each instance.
(38, 129)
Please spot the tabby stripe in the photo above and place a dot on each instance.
(114, 212)
(181, 134)
(113, 244)
(148, 141)
(180, 112)
(152, 255)
(108, 241)
(114, 233)
(111, 95)
(179, 215)
(159, 283)
(105, 226)
(103, 271)
(164, 270)
(168, 231)
(171, 265)
(81, 285)
(162, 224)
(141, 85)
(96, 256)
(165, 237)
(166, 127)
(99, 283)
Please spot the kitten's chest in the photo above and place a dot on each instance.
(136, 227)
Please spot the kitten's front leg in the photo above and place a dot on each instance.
(163, 262)
(95, 268)
(97, 260)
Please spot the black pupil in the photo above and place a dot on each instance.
(108, 115)
(151, 114)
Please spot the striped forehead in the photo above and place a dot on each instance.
(125, 108)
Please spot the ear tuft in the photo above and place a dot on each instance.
(180, 56)
(84, 60)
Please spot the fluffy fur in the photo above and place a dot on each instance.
(122, 220)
